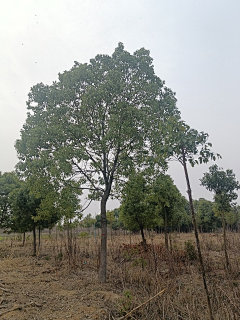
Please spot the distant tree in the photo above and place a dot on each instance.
(205, 215)
(24, 207)
(20, 208)
(187, 145)
(110, 220)
(88, 221)
(224, 185)
(169, 203)
(8, 182)
(117, 223)
(136, 211)
(98, 221)
(95, 124)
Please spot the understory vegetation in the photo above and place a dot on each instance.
(137, 273)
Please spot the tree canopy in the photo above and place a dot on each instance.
(224, 185)
(95, 124)
(137, 211)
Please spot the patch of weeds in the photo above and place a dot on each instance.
(59, 256)
(139, 262)
(47, 258)
(46, 236)
(84, 235)
(126, 302)
(190, 250)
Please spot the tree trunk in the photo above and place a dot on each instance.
(143, 237)
(103, 251)
(34, 241)
(170, 241)
(24, 237)
(196, 237)
(165, 228)
(111, 229)
(39, 237)
(225, 241)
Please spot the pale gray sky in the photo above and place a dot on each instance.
(195, 45)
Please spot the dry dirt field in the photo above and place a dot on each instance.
(61, 281)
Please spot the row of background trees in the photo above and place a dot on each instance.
(146, 204)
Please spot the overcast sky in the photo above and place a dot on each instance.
(195, 45)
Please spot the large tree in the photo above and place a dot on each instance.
(224, 185)
(95, 124)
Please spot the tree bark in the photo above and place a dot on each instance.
(196, 237)
(24, 237)
(143, 236)
(103, 251)
(34, 241)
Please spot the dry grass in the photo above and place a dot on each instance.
(135, 274)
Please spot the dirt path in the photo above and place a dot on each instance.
(32, 288)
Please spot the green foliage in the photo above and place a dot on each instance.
(205, 216)
(166, 196)
(224, 186)
(25, 210)
(190, 251)
(88, 221)
(59, 256)
(8, 183)
(95, 124)
(19, 207)
(113, 219)
(185, 144)
(136, 210)
(98, 221)
(126, 302)
(83, 235)
(140, 262)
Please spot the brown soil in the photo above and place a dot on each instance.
(58, 285)
(31, 288)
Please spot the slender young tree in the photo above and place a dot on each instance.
(94, 125)
(188, 145)
(224, 185)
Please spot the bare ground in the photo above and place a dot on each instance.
(58, 285)
(35, 288)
